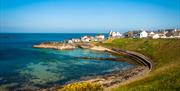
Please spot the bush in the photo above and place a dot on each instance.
(83, 86)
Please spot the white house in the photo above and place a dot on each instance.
(70, 41)
(143, 34)
(155, 36)
(114, 34)
(99, 37)
(87, 38)
(151, 33)
(162, 34)
(76, 40)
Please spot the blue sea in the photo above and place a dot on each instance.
(24, 67)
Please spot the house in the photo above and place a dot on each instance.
(176, 34)
(143, 34)
(134, 34)
(162, 35)
(99, 37)
(169, 34)
(76, 40)
(69, 41)
(172, 33)
(114, 34)
(130, 34)
(87, 38)
(155, 36)
(151, 34)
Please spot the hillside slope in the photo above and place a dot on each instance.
(165, 54)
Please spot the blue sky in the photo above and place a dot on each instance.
(87, 15)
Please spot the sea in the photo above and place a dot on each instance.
(25, 68)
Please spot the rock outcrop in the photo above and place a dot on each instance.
(64, 46)
(85, 45)
(56, 45)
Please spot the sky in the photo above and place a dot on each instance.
(87, 16)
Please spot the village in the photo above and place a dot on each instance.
(165, 34)
(85, 42)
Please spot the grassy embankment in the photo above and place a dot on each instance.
(165, 54)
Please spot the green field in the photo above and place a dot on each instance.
(165, 54)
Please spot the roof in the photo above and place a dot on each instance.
(169, 34)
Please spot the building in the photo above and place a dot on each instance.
(69, 41)
(151, 34)
(76, 40)
(99, 37)
(169, 34)
(114, 34)
(155, 36)
(87, 38)
(143, 34)
(176, 34)
(134, 34)
(130, 34)
(161, 35)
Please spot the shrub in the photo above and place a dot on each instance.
(83, 86)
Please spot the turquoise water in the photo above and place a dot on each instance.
(24, 67)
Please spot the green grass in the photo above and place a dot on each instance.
(165, 54)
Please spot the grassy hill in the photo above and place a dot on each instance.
(165, 54)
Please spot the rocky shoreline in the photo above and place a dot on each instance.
(116, 78)
(119, 77)
(111, 79)
(63, 46)
(55, 45)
